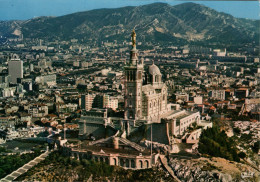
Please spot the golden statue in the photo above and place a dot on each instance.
(133, 38)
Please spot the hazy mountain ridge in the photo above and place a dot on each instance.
(157, 21)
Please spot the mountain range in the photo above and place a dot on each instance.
(183, 23)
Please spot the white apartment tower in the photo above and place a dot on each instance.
(15, 69)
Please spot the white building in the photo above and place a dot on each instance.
(217, 93)
(181, 121)
(198, 100)
(8, 92)
(220, 52)
(110, 102)
(38, 110)
(46, 79)
(15, 69)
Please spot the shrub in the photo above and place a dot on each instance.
(241, 155)
(256, 147)
(216, 143)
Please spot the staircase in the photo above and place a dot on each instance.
(111, 125)
(25, 168)
(132, 144)
(99, 141)
(103, 139)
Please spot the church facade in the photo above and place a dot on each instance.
(145, 93)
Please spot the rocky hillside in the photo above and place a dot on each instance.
(214, 169)
(156, 22)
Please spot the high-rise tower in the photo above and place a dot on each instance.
(133, 84)
(15, 68)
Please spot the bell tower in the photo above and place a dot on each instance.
(133, 84)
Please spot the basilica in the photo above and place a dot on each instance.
(145, 93)
(148, 122)
(145, 103)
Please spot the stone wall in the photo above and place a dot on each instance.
(117, 159)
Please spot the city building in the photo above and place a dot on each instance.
(46, 79)
(15, 69)
(217, 93)
(110, 102)
(87, 101)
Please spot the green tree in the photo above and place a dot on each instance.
(216, 143)
(256, 146)
(242, 155)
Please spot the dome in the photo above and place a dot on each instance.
(154, 70)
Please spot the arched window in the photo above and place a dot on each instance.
(132, 164)
(126, 163)
(106, 161)
(127, 76)
(122, 162)
(131, 114)
(114, 161)
(101, 159)
(146, 164)
(141, 164)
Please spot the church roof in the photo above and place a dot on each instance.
(154, 70)
(149, 87)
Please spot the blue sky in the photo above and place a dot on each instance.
(26, 9)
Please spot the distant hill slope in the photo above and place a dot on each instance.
(157, 22)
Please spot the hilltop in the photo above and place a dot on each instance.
(183, 23)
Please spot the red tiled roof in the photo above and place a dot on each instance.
(242, 89)
(52, 115)
(212, 108)
(253, 120)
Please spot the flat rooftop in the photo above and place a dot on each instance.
(177, 114)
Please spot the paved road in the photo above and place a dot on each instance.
(25, 168)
